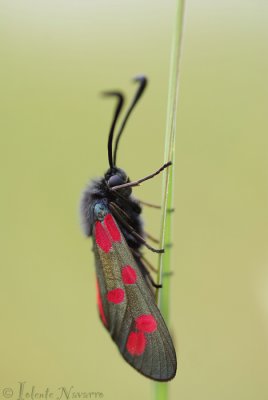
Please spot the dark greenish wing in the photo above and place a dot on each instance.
(127, 307)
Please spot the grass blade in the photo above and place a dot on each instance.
(162, 295)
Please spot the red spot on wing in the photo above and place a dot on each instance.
(116, 295)
(100, 306)
(129, 275)
(112, 228)
(102, 238)
(136, 343)
(146, 323)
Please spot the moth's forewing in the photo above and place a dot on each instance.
(127, 307)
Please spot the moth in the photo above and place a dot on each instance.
(125, 288)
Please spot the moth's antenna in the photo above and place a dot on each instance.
(143, 82)
(120, 102)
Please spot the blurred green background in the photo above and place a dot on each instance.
(56, 57)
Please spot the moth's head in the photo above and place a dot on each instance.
(115, 177)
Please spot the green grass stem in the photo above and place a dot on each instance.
(164, 269)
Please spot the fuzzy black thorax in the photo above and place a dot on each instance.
(121, 200)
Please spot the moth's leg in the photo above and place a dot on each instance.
(144, 264)
(149, 277)
(120, 210)
(155, 285)
(152, 238)
(132, 230)
(145, 261)
(144, 203)
(144, 270)
(135, 206)
(146, 178)
(148, 264)
(140, 202)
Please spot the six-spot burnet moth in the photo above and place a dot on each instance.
(125, 288)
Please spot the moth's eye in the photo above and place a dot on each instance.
(115, 180)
